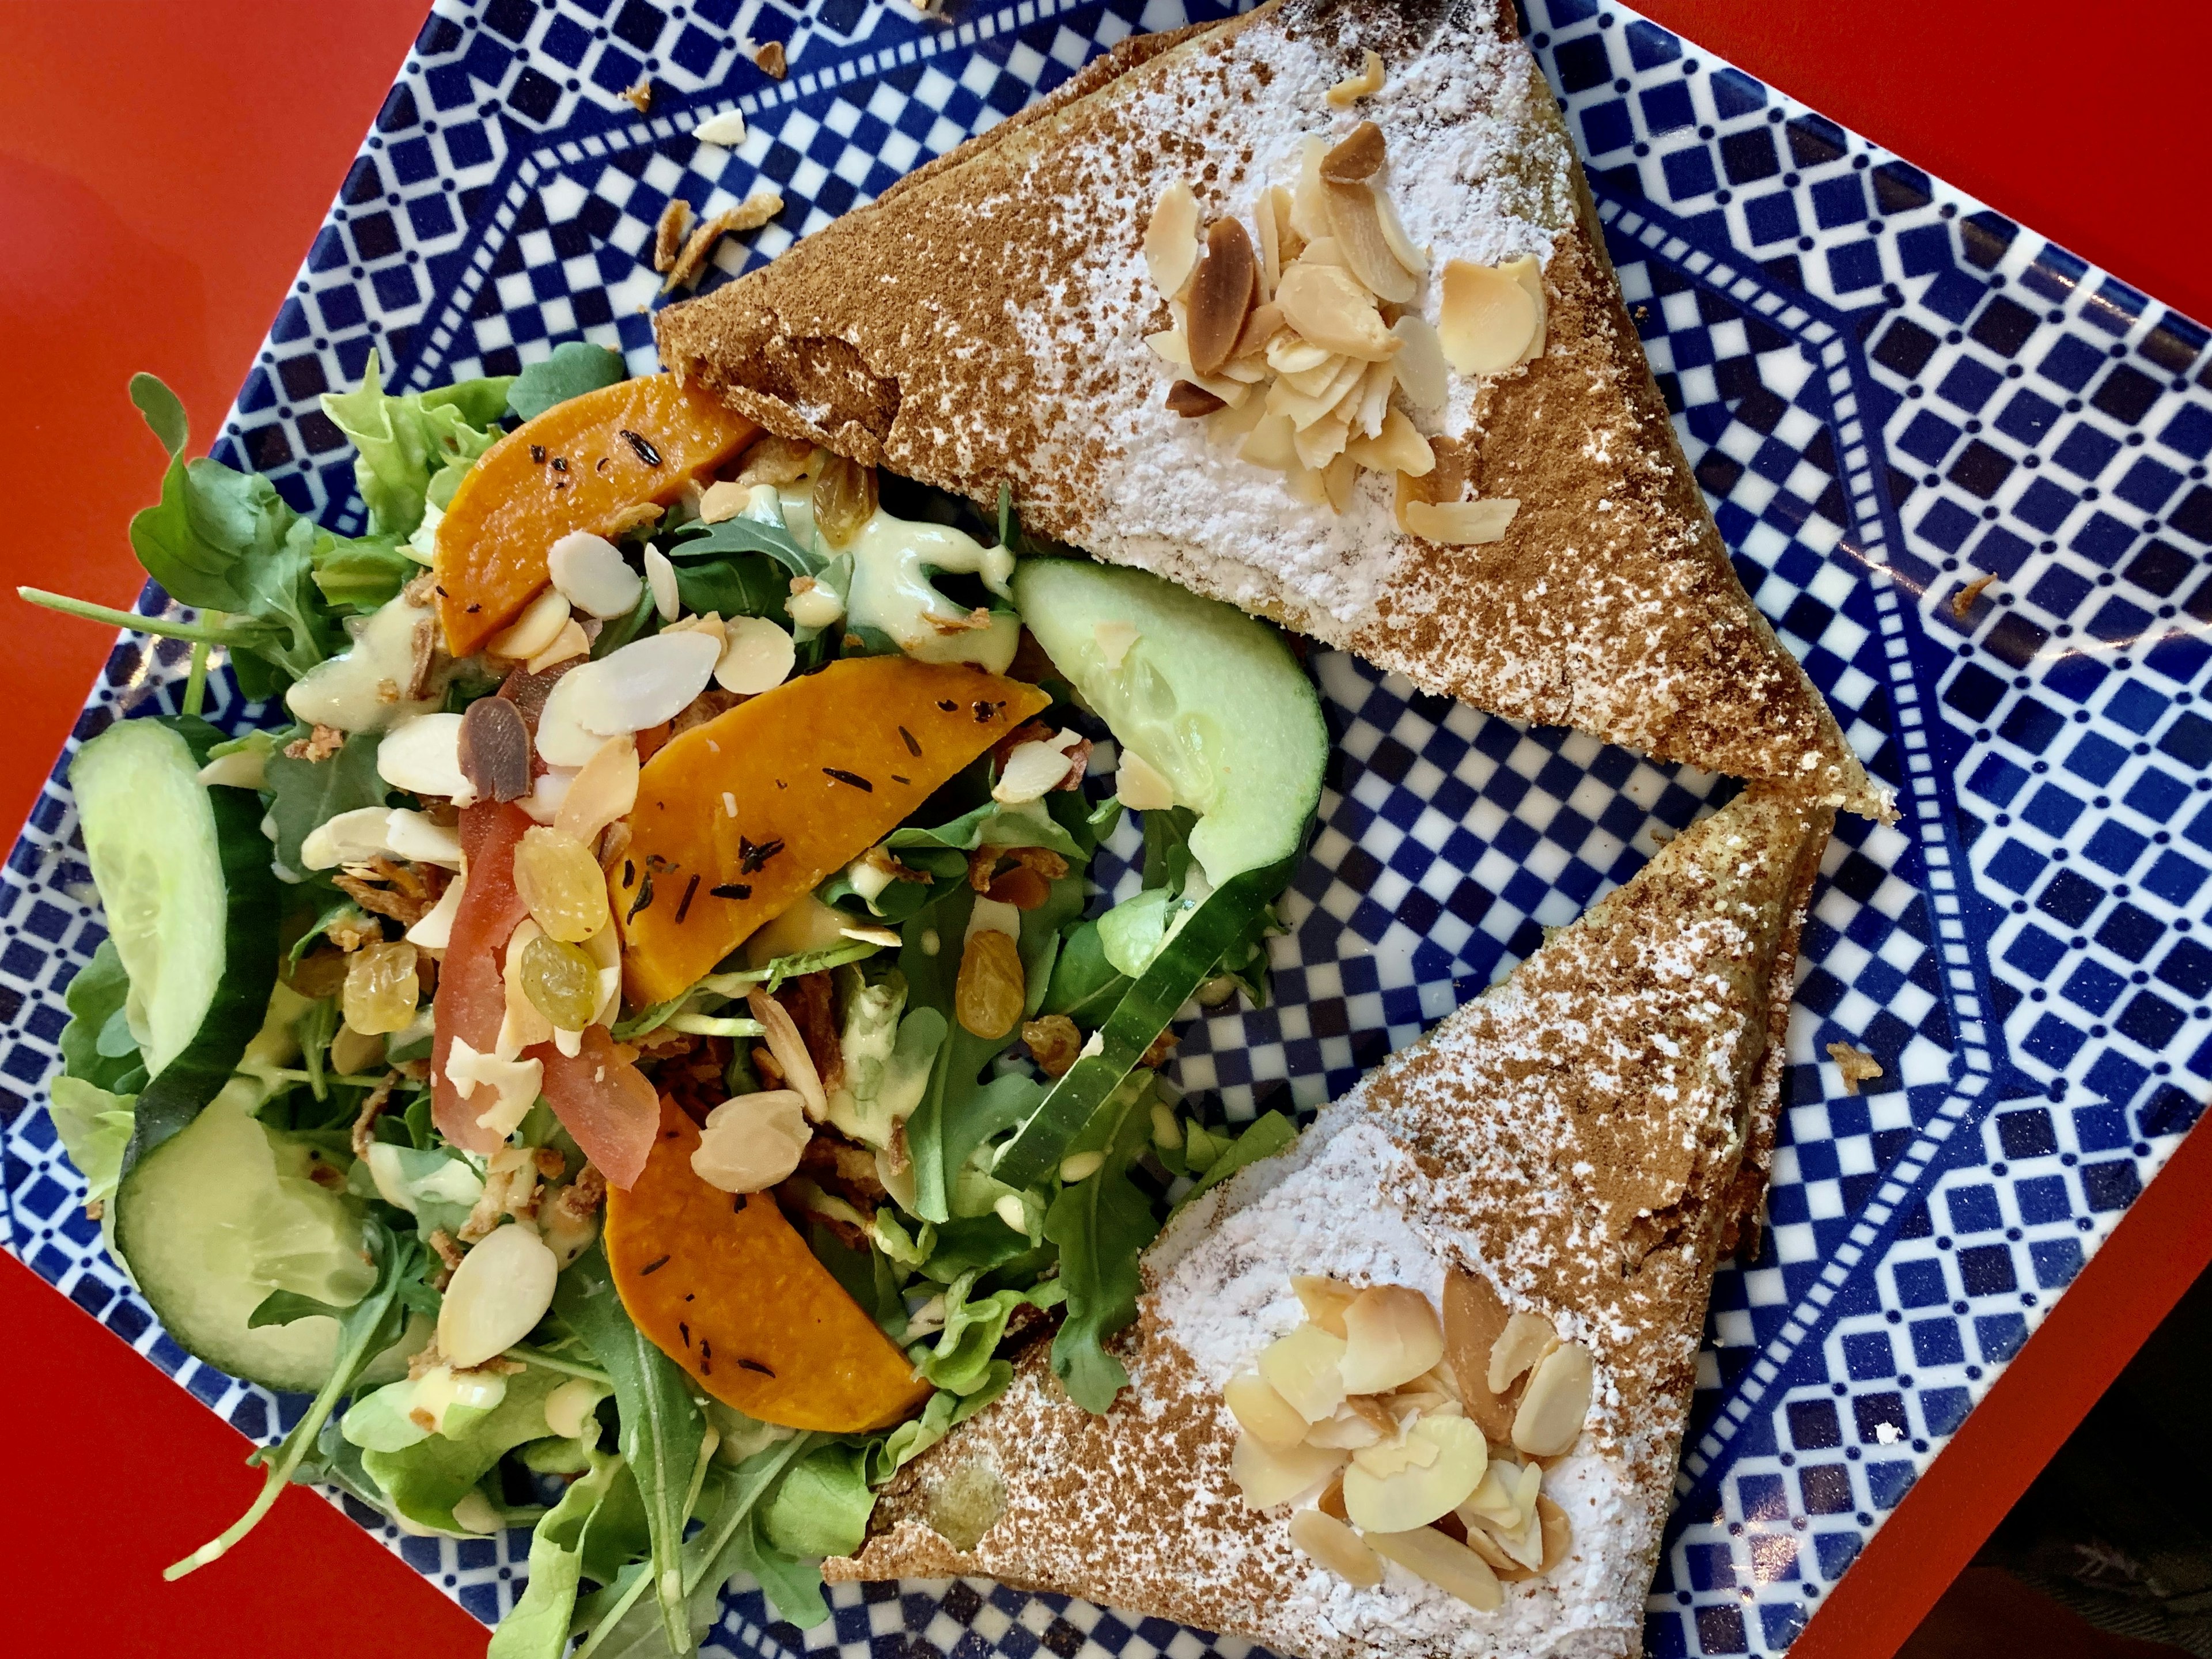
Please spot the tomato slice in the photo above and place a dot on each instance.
(471, 999)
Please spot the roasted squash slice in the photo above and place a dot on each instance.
(738, 817)
(588, 464)
(725, 1287)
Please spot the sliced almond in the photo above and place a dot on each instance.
(1308, 213)
(1420, 366)
(1473, 1317)
(1483, 1544)
(1260, 329)
(1305, 411)
(1338, 480)
(1361, 1421)
(1326, 305)
(1288, 243)
(1267, 1477)
(1190, 401)
(1171, 239)
(789, 1051)
(1356, 225)
(570, 643)
(500, 1290)
(603, 791)
(1397, 448)
(1270, 442)
(1415, 1494)
(1336, 1546)
(1301, 1367)
(494, 750)
(1304, 483)
(1450, 1565)
(1357, 157)
(1374, 403)
(756, 656)
(1487, 318)
(1555, 1403)
(1269, 243)
(1287, 354)
(1364, 84)
(1324, 1300)
(1394, 232)
(1262, 1412)
(1324, 251)
(1245, 371)
(1461, 524)
(1331, 1501)
(592, 571)
(1230, 426)
(1527, 1337)
(537, 628)
(1221, 296)
(1321, 443)
(1315, 382)
(1170, 347)
(1392, 1335)
(1559, 1531)
(1529, 275)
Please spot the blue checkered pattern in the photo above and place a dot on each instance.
(1888, 393)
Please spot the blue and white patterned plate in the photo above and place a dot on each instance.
(1888, 392)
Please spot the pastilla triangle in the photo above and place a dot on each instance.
(1562, 1160)
(985, 325)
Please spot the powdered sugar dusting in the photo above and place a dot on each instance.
(1476, 173)
(1584, 1136)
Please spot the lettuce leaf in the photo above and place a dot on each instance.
(426, 1480)
(959, 1361)
(413, 446)
(94, 1126)
(537, 1627)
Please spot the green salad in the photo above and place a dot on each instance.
(633, 1034)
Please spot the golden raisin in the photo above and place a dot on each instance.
(381, 989)
(562, 883)
(991, 988)
(844, 499)
(1054, 1043)
(561, 981)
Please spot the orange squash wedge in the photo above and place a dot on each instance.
(738, 817)
(583, 464)
(725, 1287)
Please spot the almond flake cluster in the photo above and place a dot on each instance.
(1303, 348)
(1394, 1450)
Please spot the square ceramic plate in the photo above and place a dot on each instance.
(1889, 394)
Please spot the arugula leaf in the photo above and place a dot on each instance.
(643, 619)
(227, 541)
(94, 1126)
(742, 534)
(993, 824)
(575, 366)
(747, 585)
(365, 1330)
(426, 1480)
(310, 793)
(1084, 985)
(959, 1361)
(536, 1626)
(365, 573)
(1263, 1137)
(821, 1507)
(662, 1429)
(1101, 1224)
(416, 447)
(96, 998)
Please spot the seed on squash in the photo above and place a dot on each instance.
(498, 1294)
(1336, 1546)
(561, 882)
(844, 499)
(1262, 1412)
(991, 987)
(561, 979)
(1391, 1336)
(494, 749)
(381, 989)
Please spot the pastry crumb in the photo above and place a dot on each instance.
(1855, 1064)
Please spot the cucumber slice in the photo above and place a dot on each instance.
(192, 905)
(1211, 698)
(217, 1217)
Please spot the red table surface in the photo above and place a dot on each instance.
(162, 169)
